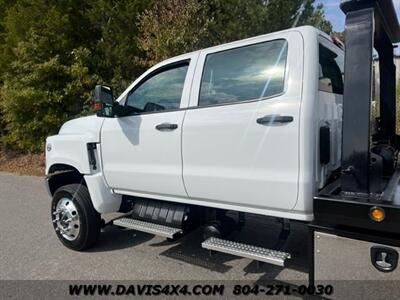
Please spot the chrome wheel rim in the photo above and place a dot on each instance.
(66, 219)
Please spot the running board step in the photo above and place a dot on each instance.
(156, 229)
(256, 253)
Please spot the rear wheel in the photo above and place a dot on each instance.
(76, 222)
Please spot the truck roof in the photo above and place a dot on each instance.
(302, 29)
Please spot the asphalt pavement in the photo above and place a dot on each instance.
(30, 249)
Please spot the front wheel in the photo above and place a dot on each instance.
(76, 222)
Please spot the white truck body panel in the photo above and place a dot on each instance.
(103, 199)
(329, 111)
(69, 146)
(219, 156)
(137, 157)
(229, 158)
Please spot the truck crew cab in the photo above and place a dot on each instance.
(276, 125)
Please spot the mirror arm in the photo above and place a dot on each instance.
(119, 110)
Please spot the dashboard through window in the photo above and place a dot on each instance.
(161, 91)
(245, 73)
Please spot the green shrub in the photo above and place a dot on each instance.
(53, 52)
(37, 101)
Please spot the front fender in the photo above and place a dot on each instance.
(103, 199)
(69, 147)
(68, 150)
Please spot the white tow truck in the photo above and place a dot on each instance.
(256, 126)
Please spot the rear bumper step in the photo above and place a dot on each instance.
(156, 229)
(256, 253)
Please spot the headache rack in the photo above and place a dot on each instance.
(369, 176)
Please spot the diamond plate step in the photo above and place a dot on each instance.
(257, 253)
(156, 229)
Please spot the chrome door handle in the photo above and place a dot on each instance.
(270, 119)
(166, 126)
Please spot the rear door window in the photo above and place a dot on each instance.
(246, 73)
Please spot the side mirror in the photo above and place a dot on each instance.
(103, 100)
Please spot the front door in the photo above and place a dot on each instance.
(141, 153)
(241, 135)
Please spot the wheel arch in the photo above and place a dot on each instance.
(104, 200)
(63, 174)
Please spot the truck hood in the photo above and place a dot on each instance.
(87, 126)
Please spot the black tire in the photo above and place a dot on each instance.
(89, 218)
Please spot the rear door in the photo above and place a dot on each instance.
(141, 152)
(241, 133)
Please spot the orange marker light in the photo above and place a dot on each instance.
(377, 214)
(97, 106)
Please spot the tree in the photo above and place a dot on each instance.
(339, 35)
(172, 27)
(46, 79)
(116, 56)
(4, 5)
(53, 53)
(315, 16)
